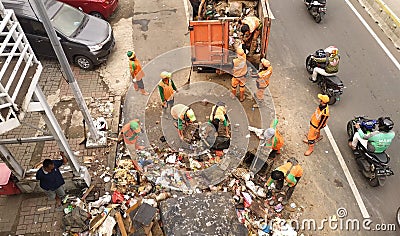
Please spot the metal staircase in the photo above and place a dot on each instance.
(19, 73)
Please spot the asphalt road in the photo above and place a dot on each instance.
(371, 80)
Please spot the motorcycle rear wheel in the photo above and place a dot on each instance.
(318, 17)
(309, 67)
(398, 217)
(374, 182)
(332, 100)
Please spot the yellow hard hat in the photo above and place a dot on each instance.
(265, 62)
(323, 98)
(165, 74)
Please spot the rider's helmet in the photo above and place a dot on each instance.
(385, 124)
(320, 53)
(332, 50)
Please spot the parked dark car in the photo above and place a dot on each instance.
(99, 8)
(87, 41)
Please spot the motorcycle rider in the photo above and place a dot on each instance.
(377, 141)
(331, 62)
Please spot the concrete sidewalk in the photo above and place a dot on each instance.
(385, 13)
(34, 214)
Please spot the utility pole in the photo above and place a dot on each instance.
(66, 69)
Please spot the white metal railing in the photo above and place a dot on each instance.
(17, 59)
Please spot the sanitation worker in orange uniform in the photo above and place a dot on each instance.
(317, 122)
(239, 74)
(130, 133)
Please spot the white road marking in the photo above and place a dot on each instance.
(272, 17)
(346, 171)
(390, 55)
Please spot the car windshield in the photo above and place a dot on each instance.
(67, 20)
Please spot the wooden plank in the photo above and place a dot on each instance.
(132, 208)
(87, 192)
(121, 224)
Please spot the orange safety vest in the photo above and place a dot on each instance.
(296, 171)
(136, 69)
(239, 66)
(253, 23)
(263, 77)
(168, 90)
(319, 118)
(130, 135)
(279, 141)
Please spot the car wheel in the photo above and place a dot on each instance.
(97, 14)
(84, 62)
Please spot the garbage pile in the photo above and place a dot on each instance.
(215, 9)
(232, 10)
(138, 187)
(259, 208)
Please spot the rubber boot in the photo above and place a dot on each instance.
(233, 96)
(241, 96)
(310, 150)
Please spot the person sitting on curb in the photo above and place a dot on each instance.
(290, 172)
(184, 115)
(51, 179)
(130, 133)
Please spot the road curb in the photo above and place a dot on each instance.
(387, 20)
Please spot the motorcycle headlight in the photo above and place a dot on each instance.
(96, 47)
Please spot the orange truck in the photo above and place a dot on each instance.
(211, 39)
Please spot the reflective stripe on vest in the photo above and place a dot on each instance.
(316, 117)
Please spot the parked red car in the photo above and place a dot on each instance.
(98, 8)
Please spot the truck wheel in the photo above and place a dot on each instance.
(84, 62)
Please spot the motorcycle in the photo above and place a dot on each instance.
(317, 8)
(330, 85)
(374, 166)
